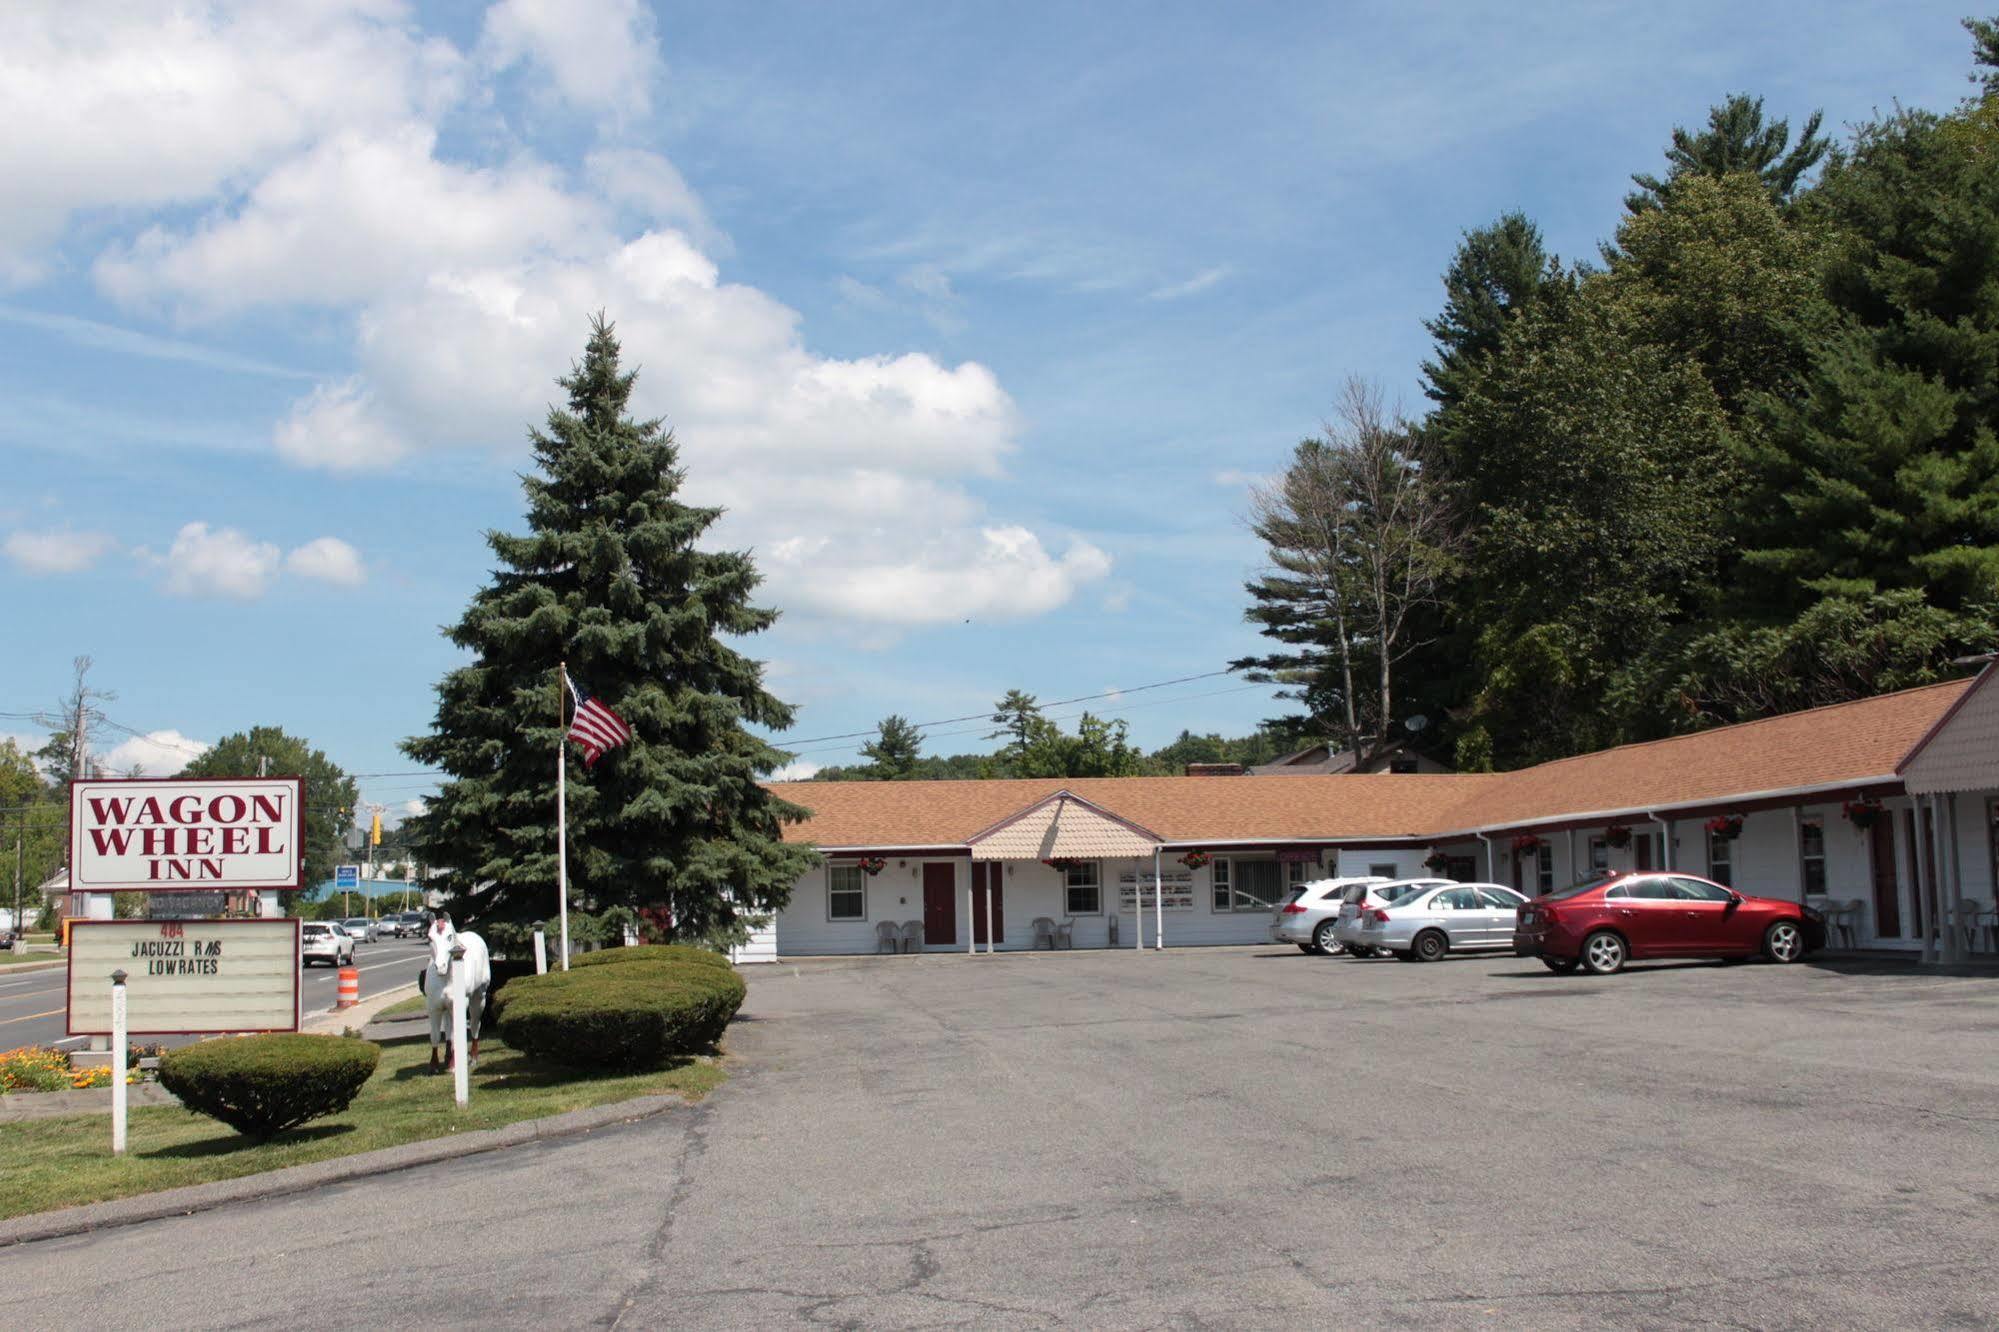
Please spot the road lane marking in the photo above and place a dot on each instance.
(5, 1022)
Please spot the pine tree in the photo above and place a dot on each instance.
(1497, 272)
(609, 579)
(1737, 139)
(895, 749)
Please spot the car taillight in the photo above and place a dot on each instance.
(1294, 909)
(1379, 915)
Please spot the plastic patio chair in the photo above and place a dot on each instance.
(1044, 932)
(912, 936)
(888, 937)
(1065, 934)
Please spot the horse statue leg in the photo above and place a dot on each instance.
(475, 1010)
(435, 1004)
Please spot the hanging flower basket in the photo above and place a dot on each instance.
(1527, 842)
(1864, 813)
(1725, 827)
(1193, 860)
(1618, 834)
(1062, 863)
(1436, 862)
(873, 865)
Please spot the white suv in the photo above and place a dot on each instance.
(1305, 917)
(319, 941)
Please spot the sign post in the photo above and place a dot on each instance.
(461, 1076)
(346, 878)
(540, 954)
(119, 1050)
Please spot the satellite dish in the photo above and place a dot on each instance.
(1416, 723)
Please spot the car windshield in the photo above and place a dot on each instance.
(1295, 895)
(357, 924)
(1395, 892)
(1578, 889)
(313, 931)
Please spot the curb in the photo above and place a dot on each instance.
(23, 968)
(193, 1198)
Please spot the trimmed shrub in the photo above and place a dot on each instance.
(706, 957)
(263, 1085)
(628, 1017)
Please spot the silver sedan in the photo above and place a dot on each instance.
(1464, 918)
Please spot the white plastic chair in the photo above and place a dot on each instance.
(1044, 933)
(888, 937)
(1065, 934)
(912, 936)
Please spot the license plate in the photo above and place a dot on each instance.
(1526, 919)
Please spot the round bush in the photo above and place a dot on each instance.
(603, 957)
(631, 1017)
(263, 1085)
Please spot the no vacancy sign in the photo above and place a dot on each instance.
(176, 834)
(185, 977)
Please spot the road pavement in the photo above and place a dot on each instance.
(32, 1002)
(1208, 1137)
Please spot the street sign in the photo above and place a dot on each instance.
(181, 833)
(185, 977)
(347, 878)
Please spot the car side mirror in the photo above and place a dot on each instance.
(1734, 898)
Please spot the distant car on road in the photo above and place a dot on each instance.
(325, 941)
(1425, 925)
(407, 924)
(1606, 921)
(1365, 896)
(1308, 913)
(363, 929)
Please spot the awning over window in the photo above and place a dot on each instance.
(1066, 826)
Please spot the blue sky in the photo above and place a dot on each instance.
(977, 320)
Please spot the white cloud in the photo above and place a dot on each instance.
(155, 754)
(219, 563)
(336, 427)
(799, 770)
(653, 188)
(56, 551)
(856, 292)
(996, 573)
(1200, 282)
(329, 560)
(601, 55)
(357, 215)
(146, 105)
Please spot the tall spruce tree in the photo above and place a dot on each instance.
(1737, 138)
(609, 578)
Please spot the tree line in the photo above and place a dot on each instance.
(1742, 461)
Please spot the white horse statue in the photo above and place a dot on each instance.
(449, 949)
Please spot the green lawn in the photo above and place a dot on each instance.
(15, 956)
(64, 1161)
(402, 1008)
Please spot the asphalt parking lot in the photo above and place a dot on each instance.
(1206, 1137)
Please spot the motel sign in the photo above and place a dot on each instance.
(161, 834)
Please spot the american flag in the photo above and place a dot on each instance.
(595, 727)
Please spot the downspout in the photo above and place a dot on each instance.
(1954, 857)
(1158, 900)
(1665, 840)
(1487, 842)
(1922, 848)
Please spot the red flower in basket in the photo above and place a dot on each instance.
(1618, 834)
(1193, 860)
(873, 865)
(1864, 813)
(1526, 842)
(1725, 827)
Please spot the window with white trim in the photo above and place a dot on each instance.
(1721, 859)
(846, 892)
(1084, 888)
(1218, 875)
(1382, 872)
(1544, 868)
(1599, 855)
(1811, 854)
(1248, 885)
(1299, 871)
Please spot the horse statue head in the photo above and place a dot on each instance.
(443, 940)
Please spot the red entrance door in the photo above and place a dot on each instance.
(940, 903)
(1887, 891)
(986, 876)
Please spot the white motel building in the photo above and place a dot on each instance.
(1883, 813)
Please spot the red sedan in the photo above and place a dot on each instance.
(1602, 923)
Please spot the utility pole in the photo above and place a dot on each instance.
(20, 835)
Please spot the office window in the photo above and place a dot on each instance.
(1299, 871)
(1249, 885)
(846, 893)
(1383, 872)
(1599, 855)
(1085, 889)
(1218, 875)
(1544, 869)
(1811, 854)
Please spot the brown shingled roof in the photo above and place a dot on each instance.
(1852, 743)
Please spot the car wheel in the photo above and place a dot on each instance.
(1430, 946)
(1324, 942)
(1784, 942)
(1603, 953)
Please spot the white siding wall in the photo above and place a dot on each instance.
(762, 946)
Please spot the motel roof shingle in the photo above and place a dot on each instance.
(1853, 743)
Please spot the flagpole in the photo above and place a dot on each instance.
(562, 806)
